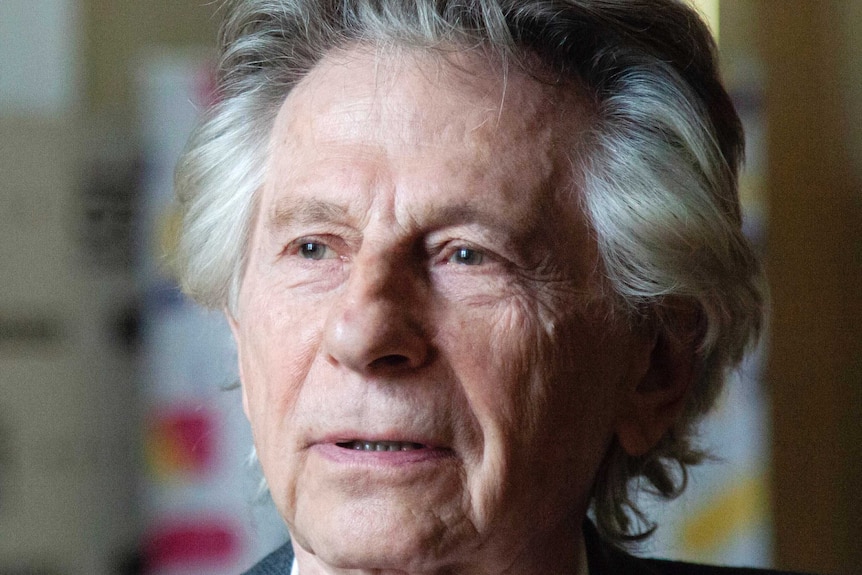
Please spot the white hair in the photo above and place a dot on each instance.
(659, 167)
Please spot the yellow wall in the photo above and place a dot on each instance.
(813, 73)
(117, 31)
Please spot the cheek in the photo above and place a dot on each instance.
(278, 344)
(538, 373)
(542, 416)
(277, 353)
(498, 355)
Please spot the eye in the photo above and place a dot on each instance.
(314, 250)
(467, 257)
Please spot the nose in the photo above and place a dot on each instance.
(375, 326)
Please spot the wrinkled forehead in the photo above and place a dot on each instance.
(491, 96)
(429, 114)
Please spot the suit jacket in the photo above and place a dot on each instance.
(603, 559)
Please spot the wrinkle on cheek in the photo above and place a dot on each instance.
(552, 326)
(483, 501)
(509, 346)
(521, 355)
(539, 316)
(459, 524)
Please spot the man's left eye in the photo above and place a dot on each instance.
(467, 256)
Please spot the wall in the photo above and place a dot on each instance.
(811, 49)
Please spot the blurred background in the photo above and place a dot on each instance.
(123, 448)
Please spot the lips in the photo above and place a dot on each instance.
(363, 445)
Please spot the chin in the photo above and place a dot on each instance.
(377, 536)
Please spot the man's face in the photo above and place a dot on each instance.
(430, 373)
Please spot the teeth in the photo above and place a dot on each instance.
(380, 445)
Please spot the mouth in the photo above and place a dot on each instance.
(381, 452)
(362, 445)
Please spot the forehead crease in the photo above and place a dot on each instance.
(292, 210)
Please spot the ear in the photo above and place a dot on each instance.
(235, 330)
(654, 400)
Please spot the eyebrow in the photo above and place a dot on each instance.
(466, 214)
(471, 214)
(305, 211)
(293, 211)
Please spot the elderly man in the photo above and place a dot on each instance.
(483, 263)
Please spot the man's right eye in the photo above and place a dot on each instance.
(313, 250)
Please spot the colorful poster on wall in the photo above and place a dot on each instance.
(201, 497)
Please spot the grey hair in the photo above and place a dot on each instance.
(659, 169)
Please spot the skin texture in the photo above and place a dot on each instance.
(419, 271)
